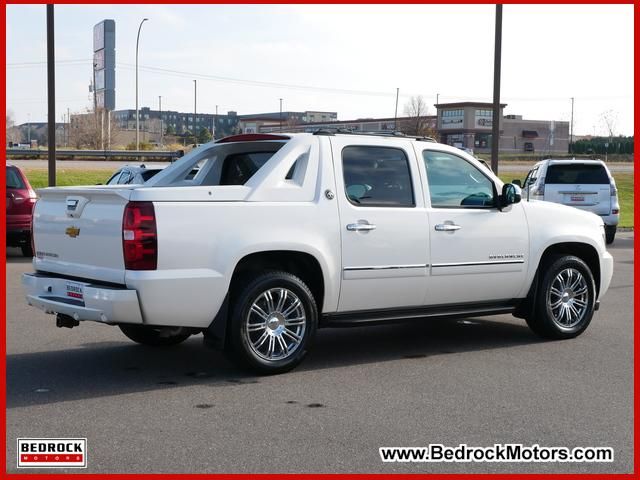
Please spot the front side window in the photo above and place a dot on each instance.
(377, 177)
(454, 182)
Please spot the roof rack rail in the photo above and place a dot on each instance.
(347, 131)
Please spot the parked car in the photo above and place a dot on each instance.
(20, 201)
(277, 235)
(584, 184)
(134, 174)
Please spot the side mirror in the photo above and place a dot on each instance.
(510, 194)
(517, 182)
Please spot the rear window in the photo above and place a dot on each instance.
(577, 173)
(13, 179)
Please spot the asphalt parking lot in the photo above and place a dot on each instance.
(186, 409)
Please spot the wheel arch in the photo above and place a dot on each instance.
(585, 251)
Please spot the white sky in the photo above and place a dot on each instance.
(353, 55)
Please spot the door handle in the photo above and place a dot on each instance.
(360, 227)
(447, 227)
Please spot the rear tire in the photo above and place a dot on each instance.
(565, 300)
(155, 336)
(273, 323)
(27, 251)
(610, 233)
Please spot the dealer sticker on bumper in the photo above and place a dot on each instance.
(75, 290)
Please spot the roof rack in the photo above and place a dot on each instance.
(388, 134)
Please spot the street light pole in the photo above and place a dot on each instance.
(137, 110)
(280, 115)
(571, 135)
(195, 108)
(497, 60)
(215, 123)
(395, 115)
(51, 97)
(160, 109)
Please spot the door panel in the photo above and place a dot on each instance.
(477, 252)
(384, 224)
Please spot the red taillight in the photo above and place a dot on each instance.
(33, 242)
(139, 236)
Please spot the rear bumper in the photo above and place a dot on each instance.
(99, 304)
(611, 220)
(606, 272)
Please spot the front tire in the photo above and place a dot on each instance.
(565, 300)
(610, 233)
(273, 323)
(155, 336)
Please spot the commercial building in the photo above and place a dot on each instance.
(469, 124)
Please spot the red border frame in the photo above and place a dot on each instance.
(636, 340)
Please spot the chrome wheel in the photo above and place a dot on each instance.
(275, 324)
(568, 298)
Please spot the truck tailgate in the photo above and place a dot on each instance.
(78, 232)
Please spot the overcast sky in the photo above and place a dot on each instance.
(353, 56)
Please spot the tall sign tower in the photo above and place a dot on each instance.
(104, 65)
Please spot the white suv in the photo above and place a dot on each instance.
(584, 184)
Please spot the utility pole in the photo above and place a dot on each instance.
(215, 124)
(68, 127)
(137, 110)
(280, 115)
(51, 96)
(160, 109)
(571, 134)
(195, 109)
(395, 115)
(497, 59)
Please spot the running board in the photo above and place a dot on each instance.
(368, 317)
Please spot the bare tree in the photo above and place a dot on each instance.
(417, 121)
(89, 130)
(12, 132)
(609, 119)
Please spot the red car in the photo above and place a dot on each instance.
(20, 201)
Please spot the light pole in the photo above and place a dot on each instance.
(137, 111)
(571, 135)
(195, 108)
(280, 115)
(160, 110)
(497, 63)
(215, 123)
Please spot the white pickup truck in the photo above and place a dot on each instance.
(258, 240)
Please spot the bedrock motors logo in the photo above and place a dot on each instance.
(52, 453)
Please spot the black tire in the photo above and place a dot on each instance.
(610, 233)
(543, 320)
(243, 344)
(27, 251)
(155, 336)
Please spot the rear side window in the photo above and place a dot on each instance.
(377, 177)
(14, 180)
(147, 174)
(577, 173)
(239, 168)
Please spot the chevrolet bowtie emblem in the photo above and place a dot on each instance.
(73, 232)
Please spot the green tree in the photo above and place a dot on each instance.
(204, 136)
(170, 130)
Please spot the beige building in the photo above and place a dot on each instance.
(469, 125)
